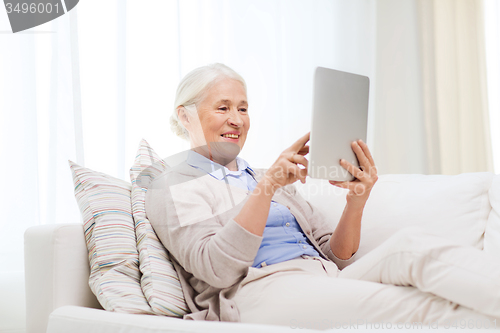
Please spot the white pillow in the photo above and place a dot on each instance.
(454, 207)
(106, 209)
(159, 280)
(492, 234)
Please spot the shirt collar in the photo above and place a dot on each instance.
(215, 169)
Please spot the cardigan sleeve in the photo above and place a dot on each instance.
(188, 224)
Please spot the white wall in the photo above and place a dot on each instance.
(399, 132)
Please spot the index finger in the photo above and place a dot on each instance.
(300, 143)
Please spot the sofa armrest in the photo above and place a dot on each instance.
(56, 272)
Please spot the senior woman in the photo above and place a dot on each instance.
(247, 247)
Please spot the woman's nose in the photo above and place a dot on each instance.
(235, 119)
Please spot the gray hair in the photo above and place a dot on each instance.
(192, 89)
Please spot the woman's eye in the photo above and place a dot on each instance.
(243, 110)
(223, 108)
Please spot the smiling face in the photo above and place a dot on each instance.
(222, 123)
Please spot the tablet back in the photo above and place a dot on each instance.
(340, 116)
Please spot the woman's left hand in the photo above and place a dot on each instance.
(366, 174)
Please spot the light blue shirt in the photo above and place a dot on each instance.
(243, 178)
(283, 238)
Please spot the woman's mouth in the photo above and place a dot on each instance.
(231, 137)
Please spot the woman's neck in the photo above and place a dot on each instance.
(221, 159)
(233, 166)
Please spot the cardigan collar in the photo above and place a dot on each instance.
(216, 170)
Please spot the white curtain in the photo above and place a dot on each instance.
(89, 85)
(39, 132)
(492, 36)
(454, 80)
(431, 108)
(275, 45)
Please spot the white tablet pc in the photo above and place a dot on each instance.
(340, 116)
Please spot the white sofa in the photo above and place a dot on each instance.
(465, 208)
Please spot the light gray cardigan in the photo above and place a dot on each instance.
(192, 214)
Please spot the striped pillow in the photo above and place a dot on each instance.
(106, 209)
(159, 281)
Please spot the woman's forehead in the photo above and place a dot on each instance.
(227, 91)
(229, 102)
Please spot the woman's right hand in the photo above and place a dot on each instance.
(253, 215)
(286, 170)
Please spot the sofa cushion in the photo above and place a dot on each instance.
(159, 280)
(492, 234)
(106, 209)
(454, 207)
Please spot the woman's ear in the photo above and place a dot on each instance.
(183, 117)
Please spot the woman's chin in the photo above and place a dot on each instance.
(220, 152)
(224, 152)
